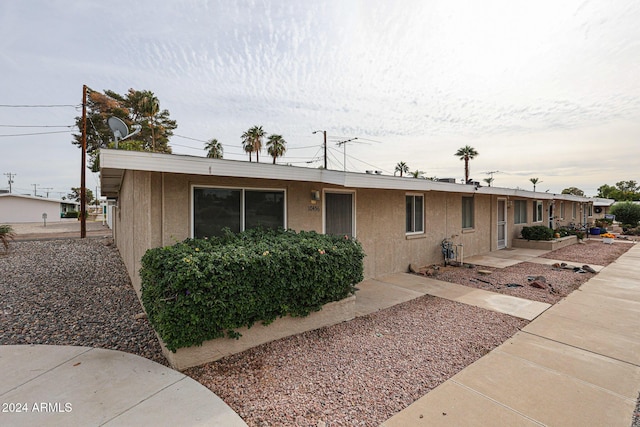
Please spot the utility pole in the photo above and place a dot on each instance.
(83, 191)
(10, 175)
(324, 132)
(47, 189)
(35, 189)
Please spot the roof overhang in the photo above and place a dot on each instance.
(114, 163)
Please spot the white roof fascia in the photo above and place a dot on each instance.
(499, 191)
(120, 160)
(599, 201)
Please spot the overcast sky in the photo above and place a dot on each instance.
(546, 89)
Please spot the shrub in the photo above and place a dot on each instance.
(635, 231)
(71, 214)
(627, 213)
(6, 234)
(537, 232)
(199, 290)
(566, 231)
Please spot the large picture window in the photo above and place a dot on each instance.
(520, 212)
(467, 212)
(415, 214)
(215, 209)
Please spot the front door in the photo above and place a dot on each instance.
(551, 215)
(338, 214)
(502, 224)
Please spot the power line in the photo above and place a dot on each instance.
(38, 106)
(37, 126)
(35, 133)
(362, 161)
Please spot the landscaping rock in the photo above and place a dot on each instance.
(485, 272)
(538, 284)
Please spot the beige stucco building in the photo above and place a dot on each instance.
(165, 198)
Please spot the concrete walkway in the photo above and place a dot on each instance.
(512, 256)
(576, 364)
(387, 291)
(81, 386)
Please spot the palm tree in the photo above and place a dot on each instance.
(535, 181)
(247, 143)
(256, 134)
(417, 173)
(6, 234)
(214, 149)
(402, 168)
(488, 180)
(466, 153)
(276, 146)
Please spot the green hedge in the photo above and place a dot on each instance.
(537, 232)
(199, 290)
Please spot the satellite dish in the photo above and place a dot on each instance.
(120, 130)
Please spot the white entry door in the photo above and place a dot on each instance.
(502, 223)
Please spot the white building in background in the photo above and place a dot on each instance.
(17, 208)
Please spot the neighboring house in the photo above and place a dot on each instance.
(17, 208)
(165, 198)
(601, 207)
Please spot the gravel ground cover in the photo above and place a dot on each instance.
(561, 282)
(357, 373)
(77, 292)
(591, 252)
(72, 292)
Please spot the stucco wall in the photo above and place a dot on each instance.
(155, 210)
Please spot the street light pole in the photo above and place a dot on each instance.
(324, 132)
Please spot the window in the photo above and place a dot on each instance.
(561, 210)
(467, 212)
(263, 209)
(537, 211)
(415, 214)
(215, 209)
(520, 212)
(574, 210)
(590, 209)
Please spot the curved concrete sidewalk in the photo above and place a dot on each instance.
(81, 386)
(577, 364)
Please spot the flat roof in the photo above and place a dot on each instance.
(113, 164)
(41, 199)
